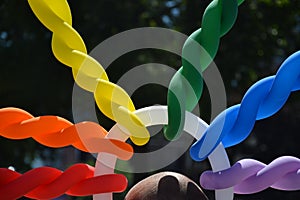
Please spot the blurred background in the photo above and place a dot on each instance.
(266, 33)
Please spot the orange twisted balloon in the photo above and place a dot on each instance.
(69, 48)
(53, 131)
(49, 183)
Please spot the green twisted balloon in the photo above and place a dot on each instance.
(198, 51)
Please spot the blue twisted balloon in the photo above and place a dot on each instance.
(262, 100)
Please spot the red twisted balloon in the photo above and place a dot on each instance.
(53, 131)
(49, 183)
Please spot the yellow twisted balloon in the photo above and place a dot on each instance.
(69, 48)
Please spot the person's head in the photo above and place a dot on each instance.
(166, 186)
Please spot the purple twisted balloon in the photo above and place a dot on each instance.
(249, 176)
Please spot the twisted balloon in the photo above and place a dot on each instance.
(69, 48)
(49, 183)
(53, 131)
(199, 50)
(158, 115)
(250, 176)
(262, 100)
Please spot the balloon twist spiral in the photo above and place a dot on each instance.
(199, 50)
(250, 176)
(262, 100)
(49, 183)
(53, 131)
(69, 48)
